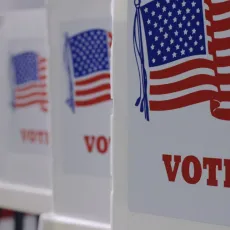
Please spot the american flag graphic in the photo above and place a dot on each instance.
(88, 67)
(30, 78)
(187, 57)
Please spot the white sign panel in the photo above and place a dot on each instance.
(85, 96)
(28, 81)
(179, 109)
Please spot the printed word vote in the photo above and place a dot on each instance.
(99, 144)
(192, 169)
(35, 136)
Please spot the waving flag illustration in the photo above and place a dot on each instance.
(182, 49)
(86, 58)
(30, 80)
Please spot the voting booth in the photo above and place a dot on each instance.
(171, 116)
(80, 39)
(25, 153)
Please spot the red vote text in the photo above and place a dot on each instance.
(34, 136)
(192, 169)
(99, 144)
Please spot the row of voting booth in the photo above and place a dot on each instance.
(115, 114)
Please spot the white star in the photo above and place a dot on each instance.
(158, 52)
(152, 47)
(175, 19)
(188, 10)
(173, 5)
(165, 21)
(200, 37)
(153, 13)
(182, 52)
(179, 12)
(176, 33)
(177, 47)
(189, 24)
(184, 17)
(191, 49)
(186, 44)
(155, 24)
(201, 48)
(149, 21)
(193, 4)
(198, 10)
(190, 38)
(146, 10)
(171, 41)
(162, 44)
(169, 13)
(193, 17)
(164, 9)
(153, 60)
(185, 32)
(180, 25)
(161, 29)
(168, 1)
(164, 58)
(195, 43)
(183, 3)
(166, 35)
(174, 54)
(168, 49)
(156, 38)
(194, 31)
(181, 39)
(160, 17)
(170, 27)
(158, 5)
(198, 23)
(150, 33)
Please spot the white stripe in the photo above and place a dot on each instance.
(206, 7)
(209, 38)
(183, 76)
(224, 70)
(208, 23)
(222, 34)
(219, 1)
(29, 91)
(33, 98)
(168, 65)
(225, 88)
(221, 16)
(225, 105)
(92, 96)
(182, 93)
(223, 53)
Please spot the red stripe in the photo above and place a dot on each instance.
(43, 77)
(42, 68)
(187, 100)
(94, 101)
(219, 8)
(21, 105)
(31, 86)
(42, 60)
(93, 90)
(93, 79)
(39, 94)
(184, 84)
(223, 61)
(221, 44)
(181, 68)
(221, 25)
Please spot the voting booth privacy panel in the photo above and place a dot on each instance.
(80, 41)
(170, 127)
(25, 154)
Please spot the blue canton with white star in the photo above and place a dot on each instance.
(25, 67)
(89, 52)
(174, 29)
